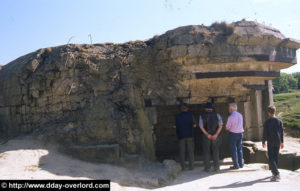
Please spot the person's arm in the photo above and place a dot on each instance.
(228, 124)
(281, 135)
(215, 136)
(174, 126)
(202, 128)
(264, 137)
(205, 132)
(220, 122)
(194, 122)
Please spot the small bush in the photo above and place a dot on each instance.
(224, 28)
(293, 125)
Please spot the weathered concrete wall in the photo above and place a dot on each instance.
(103, 98)
(83, 97)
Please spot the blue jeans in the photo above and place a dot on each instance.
(236, 148)
(273, 153)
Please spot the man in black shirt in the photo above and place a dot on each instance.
(211, 125)
(185, 124)
(273, 134)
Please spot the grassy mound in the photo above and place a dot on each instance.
(288, 109)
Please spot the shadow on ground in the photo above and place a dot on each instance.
(35, 158)
(56, 165)
(242, 184)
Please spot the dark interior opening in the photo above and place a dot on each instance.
(166, 144)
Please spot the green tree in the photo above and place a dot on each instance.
(280, 84)
(285, 83)
(297, 76)
(293, 82)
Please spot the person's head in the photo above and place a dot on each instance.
(232, 107)
(184, 107)
(271, 110)
(208, 106)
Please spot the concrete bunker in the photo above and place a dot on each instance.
(108, 102)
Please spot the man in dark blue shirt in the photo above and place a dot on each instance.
(185, 124)
(273, 134)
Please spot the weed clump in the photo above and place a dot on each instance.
(223, 28)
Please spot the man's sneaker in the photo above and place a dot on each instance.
(278, 177)
(274, 178)
(234, 167)
(207, 170)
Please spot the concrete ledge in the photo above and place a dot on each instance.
(253, 154)
(236, 74)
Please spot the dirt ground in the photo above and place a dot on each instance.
(25, 158)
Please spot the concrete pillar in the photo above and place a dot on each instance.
(253, 116)
(269, 85)
(256, 115)
(267, 97)
(245, 109)
(152, 116)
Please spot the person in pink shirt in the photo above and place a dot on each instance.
(235, 127)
